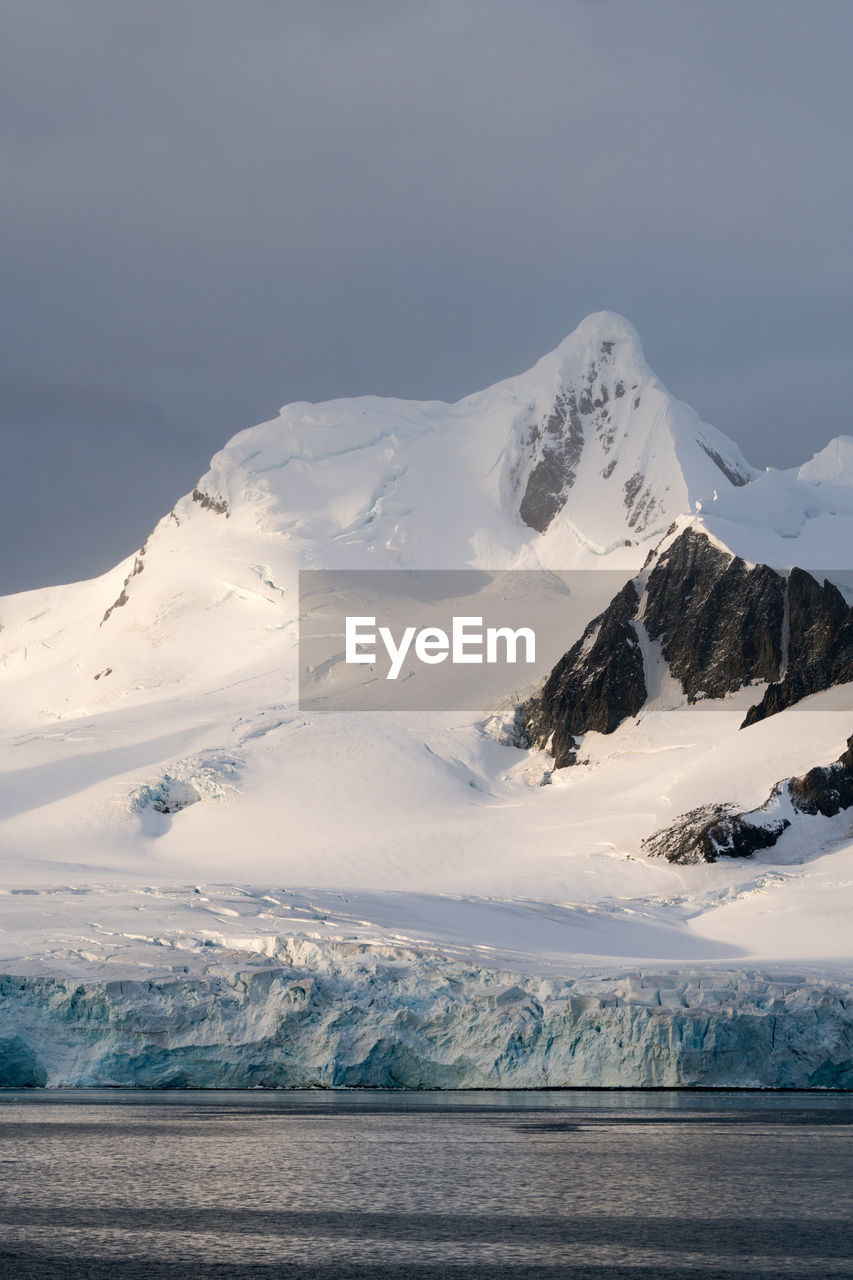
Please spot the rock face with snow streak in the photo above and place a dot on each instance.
(820, 645)
(718, 620)
(719, 623)
(397, 1018)
(826, 789)
(714, 831)
(611, 451)
(594, 686)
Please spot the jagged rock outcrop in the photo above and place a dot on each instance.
(595, 685)
(737, 475)
(219, 506)
(719, 831)
(580, 411)
(122, 598)
(820, 645)
(718, 620)
(826, 789)
(558, 444)
(720, 624)
(710, 832)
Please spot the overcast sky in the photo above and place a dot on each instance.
(210, 209)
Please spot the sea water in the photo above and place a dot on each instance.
(106, 1184)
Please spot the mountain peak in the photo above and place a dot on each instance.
(608, 450)
(602, 338)
(603, 327)
(587, 448)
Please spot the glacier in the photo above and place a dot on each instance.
(351, 1015)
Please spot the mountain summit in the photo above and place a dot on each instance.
(613, 452)
(587, 448)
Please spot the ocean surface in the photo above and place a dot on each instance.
(112, 1185)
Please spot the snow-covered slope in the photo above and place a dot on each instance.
(801, 516)
(153, 738)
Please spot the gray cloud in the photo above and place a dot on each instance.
(213, 208)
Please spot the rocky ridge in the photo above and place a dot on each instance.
(715, 831)
(594, 686)
(717, 622)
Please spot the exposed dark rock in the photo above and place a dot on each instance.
(219, 506)
(605, 429)
(594, 686)
(710, 832)
(121, 601)
(719, 622)
(557, 444)
(736, 476)
(716, 831)
(641, 517)
(632, 488)
(820, 645)
(562, 439)
(640, 502)
(825, 789)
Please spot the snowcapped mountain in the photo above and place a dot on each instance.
(154, 739)
(582, 462)
(610, 455)
(587, 448)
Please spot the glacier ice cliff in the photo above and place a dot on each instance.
(351, 1014)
